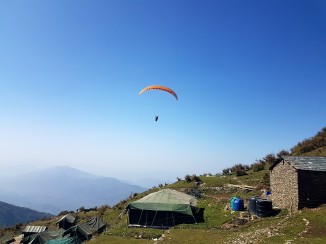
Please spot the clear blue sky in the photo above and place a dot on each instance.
(250, 76)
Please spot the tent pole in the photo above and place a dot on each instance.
(140, 216)
(154, 218)
(128, 221)
(194, 219)
(193, 215)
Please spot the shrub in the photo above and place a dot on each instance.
(64, 213)
(188, 178)
(270, 158)
(240, 172)
(266, 180)
(246, 167)
(226, 171)
(282, 153)
(237, 167)
(101, 210)
(258, 167)
(196, 179)
(191, 178)
(132, 195)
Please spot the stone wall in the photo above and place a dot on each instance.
(284, 186)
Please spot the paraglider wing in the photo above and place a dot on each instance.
(157, 87)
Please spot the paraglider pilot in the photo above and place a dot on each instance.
(156, 117)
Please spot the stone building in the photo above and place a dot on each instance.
(298, 182)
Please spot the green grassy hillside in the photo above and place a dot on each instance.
(314, 146)
(220, 225)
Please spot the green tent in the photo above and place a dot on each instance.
(86, 230)
(67, 221)
(43, 237)
(68, 240)
(162, 209)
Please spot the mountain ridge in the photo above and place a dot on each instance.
(63, 188)
(11, 214)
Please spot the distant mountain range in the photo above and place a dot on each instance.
(11, 215)
(62, 188)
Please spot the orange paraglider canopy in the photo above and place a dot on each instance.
(162, 88)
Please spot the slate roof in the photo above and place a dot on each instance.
(304, 163)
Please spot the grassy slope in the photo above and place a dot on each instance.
(308, 226)
(321, 152)
(277, 229)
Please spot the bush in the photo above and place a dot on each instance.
(191, 178)
(266, 180)
(64, 213)
(237, 167)
(101, 210)
(226, 171)
(258, 167)
(196, 179)
(188, 178)
(246, 167)
(282, 153)
(270, 158)
(240, 172)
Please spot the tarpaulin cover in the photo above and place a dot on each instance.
(166, 200)
(68, 240)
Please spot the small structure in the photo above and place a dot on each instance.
(298, 182)
(86, 230)
(30, 230)
(162, 209)
(67, 221)
(43, 237)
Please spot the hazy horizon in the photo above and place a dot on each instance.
(148, 181)
(250, 78)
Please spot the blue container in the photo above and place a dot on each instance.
(238, 205)
(232, 202)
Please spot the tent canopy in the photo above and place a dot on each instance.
(87, 229)
(43, 237)
(166, 200)
(162, 209)
(68, 240)
(68, 218)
